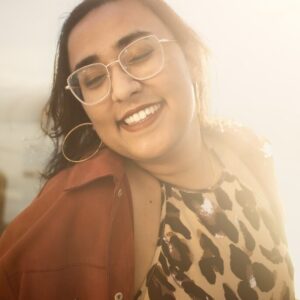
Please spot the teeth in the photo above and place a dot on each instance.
(142, 114)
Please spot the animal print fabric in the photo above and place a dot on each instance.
(218, 243)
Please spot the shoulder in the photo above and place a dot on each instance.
(253, 150)
(60, 196)
(57, 231)
(23, 221)
(240, 138)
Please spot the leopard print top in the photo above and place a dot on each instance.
(218, 243)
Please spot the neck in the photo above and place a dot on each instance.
(188, 165)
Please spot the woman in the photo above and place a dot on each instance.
(145, 199)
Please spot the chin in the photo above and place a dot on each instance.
(149, 152)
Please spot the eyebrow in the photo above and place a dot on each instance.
(124, 41)
(87, 61)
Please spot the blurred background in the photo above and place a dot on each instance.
(254, 71)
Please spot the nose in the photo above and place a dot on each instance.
(122, 85)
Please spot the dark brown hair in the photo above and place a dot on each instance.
(62, 112)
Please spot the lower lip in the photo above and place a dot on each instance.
(144, 123)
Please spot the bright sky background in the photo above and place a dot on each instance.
(255, 66)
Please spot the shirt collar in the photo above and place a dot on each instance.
(105, 163)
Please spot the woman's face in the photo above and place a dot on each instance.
(168, 95)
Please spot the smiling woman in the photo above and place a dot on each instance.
(146, 197)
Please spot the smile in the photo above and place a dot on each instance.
(142, 114)
(142, 117)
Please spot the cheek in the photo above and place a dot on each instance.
(180, 87)
(101, 118)
(178, 75)
(105, 125)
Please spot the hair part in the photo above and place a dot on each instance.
(62, 112)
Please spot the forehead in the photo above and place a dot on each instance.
(98, 32)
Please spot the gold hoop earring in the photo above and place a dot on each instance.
(68, 135)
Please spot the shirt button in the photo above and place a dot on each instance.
(120, 193)
(119, 296)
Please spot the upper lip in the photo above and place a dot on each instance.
(136, 109)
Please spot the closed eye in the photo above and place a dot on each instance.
(140, 58)
(95, 81)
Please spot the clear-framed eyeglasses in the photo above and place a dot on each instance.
(142, 59)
